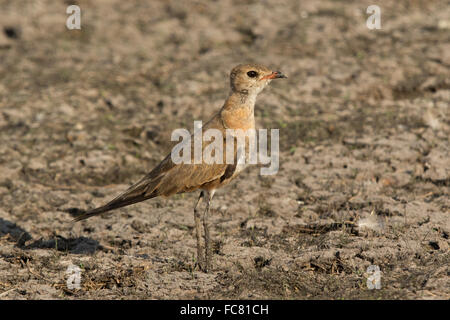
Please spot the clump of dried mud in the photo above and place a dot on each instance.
(364, 168)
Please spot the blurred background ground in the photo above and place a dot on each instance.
(364, 168)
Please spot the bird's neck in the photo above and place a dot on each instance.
(238, 111)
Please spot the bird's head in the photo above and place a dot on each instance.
(252, 78)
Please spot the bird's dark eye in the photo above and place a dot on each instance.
(252, 74)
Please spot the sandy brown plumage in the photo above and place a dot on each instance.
(168, 178)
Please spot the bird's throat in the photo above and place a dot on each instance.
(238, 111)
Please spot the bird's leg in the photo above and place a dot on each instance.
(198, 233)
(208, 256)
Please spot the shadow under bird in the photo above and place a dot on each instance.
(169, 178)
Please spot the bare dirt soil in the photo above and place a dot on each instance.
(364, 125)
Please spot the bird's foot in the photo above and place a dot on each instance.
(202, 266)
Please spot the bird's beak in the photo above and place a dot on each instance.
(274, 75)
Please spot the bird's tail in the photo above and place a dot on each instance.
(134, 194)
(107, 207)
(144, 189)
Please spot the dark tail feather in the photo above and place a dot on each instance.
(114, 204)
(144, 189)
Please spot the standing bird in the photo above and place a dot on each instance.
(168, 178)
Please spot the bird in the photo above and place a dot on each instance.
(169, 177)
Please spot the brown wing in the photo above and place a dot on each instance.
(166, 179)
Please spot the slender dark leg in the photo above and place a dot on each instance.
(198, 233)
(208, 255)
(207, 240)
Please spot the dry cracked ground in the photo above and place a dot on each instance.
(364, 125)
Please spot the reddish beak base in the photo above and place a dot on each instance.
(274, 75)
